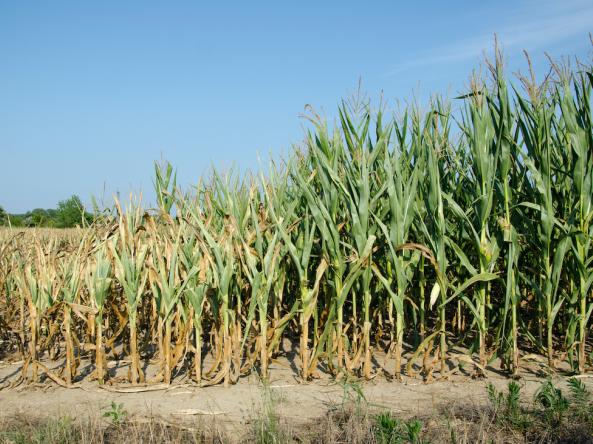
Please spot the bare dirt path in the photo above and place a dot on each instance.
(232, 407)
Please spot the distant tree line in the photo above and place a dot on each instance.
(68, 213)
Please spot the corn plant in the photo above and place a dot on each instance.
(298, 245)
(402, 175)
(70, 269)
(578, 133)
(167, 287)
(508, 178)
(98, 280)
(478, 127)
(549, 233)
(129, 250)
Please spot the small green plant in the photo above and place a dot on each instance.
(579, 391)
(581, 399)
(513, 400)
(553, 402)
(386, 426)
(495, 397)
(390, 430)
(267, 426)
(352, 393)
(413, 429)
(116, 413)
(452, 432)
(507, 408)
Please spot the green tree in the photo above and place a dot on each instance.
(37, 218)
(3, 216)
(71, 213)
(15, 220)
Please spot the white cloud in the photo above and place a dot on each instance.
(540, 24)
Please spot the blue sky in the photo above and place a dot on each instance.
(91, 93)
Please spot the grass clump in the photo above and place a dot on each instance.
(55, 430)
(21, 429)
(391, 430)
(267, 428)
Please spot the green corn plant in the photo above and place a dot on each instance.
(221, 252)
(458, 239)
(129, 251)
(284, 304)
(98, 279)
(165, 182)
(322, 199)
(401, 173)
(324, 209)
(362, 194)
(507, 182)
(576, 119)
(428, 144)
(231, 199)
(260, 259)
(478, 129)
(298, 245)
(196, 287)
(166, 285)
(548, 234)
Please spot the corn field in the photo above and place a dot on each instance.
(386, 242)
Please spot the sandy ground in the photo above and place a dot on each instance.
(231, 407)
